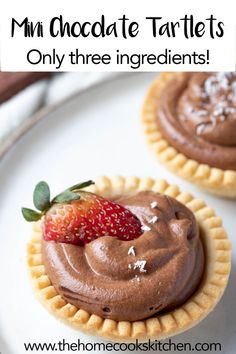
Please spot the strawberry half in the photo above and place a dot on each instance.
(76, 216)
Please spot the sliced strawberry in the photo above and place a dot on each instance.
(77, 216)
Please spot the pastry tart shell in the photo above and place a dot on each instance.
(217, 251)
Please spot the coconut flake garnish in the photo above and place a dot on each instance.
(230, 110)
(222, 118)
(145, 228)
(136, 278)
(232, 94)
(153, 205)
(190, 109)
(200, 128)
(141, 266)
(217, 82)
(222, 108)
(153, 219)
(224, 85)
(131, 251)
(201, 112)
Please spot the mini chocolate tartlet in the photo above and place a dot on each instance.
(155, 285)
(190, 123)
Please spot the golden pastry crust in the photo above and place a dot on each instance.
(217, 268)
(215, 180)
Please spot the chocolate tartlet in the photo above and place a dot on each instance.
(157, 285)
(190, 122)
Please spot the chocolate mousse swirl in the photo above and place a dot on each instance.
(132, 280)
(197, 115)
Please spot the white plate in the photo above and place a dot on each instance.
(96, 134)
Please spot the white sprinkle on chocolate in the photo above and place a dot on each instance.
(222, 84)
(201, 113)
(190, 110)
(136, 278)
(217, 82)
(130, 266)
(145, 228)
(131, 251)
(222, 118)
(230, 110)
(200, 128)
(153, 219)
(153, 205)
(140, 265)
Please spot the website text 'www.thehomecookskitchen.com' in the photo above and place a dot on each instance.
(155, 346)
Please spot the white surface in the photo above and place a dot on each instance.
(19, 108)
(16, 111)
(97, 134)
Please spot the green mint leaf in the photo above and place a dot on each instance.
(30, 215)
(65, 197)
(81, 185)
(41, 196)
